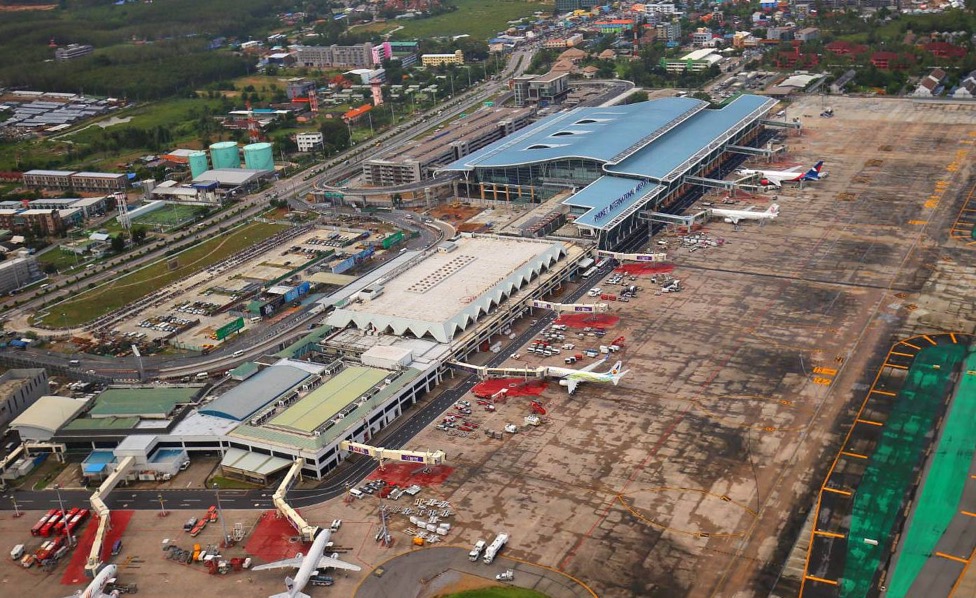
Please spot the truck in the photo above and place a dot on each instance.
(496, 545)
(476, 551)
(36, 530)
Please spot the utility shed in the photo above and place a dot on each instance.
(388, 357)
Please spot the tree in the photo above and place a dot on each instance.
(139, 233)
(118, 243)
(335, 134)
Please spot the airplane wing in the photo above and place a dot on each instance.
(593, 365)
(571, 384)
(292, 563)
(327, 561)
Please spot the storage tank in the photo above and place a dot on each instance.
(259, 156)
(225, 155)
(198, 163)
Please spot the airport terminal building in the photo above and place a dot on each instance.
(386, 344)
(616, 161)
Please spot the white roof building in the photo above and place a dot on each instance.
(446, 290)
(45, 417)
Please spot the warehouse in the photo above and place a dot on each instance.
(618, 161)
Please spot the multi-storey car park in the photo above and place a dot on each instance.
(618, 161)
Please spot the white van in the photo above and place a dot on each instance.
(238, 353)
(356, 492)
(17, 552)
(202, 376)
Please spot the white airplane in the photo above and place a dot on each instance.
(776, 178)
(306, 566)
(734, 216)
(94, 589)
(571, 378)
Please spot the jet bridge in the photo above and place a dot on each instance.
(98, 506)
(486, 372)
(571, 307)
(676, 220)
(307, 531)
(782, 124)
(428, 458)
(754, 151)
(635, 257)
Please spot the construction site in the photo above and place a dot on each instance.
(770, 370)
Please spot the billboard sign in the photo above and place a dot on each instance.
(543, 304)
(651, 257)
(229, 329)
(291, 295)
(358, 448)
(583, 308)
(267, 309)
(304, 288)
(412, 458)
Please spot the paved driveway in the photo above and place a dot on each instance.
(430, 571)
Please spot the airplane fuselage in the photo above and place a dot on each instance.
(310, 563)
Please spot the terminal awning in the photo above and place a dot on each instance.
(252, 465)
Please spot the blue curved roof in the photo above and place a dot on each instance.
(666, 155)
(601, 134)
(608, 197)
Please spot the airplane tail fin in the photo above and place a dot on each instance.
(814, 173)
(773, 210)
(616, 377)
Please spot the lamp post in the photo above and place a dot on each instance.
(220, 513)
(67, 528)
(162, 508)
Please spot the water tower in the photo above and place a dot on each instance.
(224, 154)
(259, 156)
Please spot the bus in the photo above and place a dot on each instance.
(588, 273)
(36, 530)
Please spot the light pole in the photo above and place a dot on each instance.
(162, 508)
(17, 512)
(67, 527)
(220, 513)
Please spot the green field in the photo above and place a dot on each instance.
(126, 289)
(477, 18)
(169, 216)
(498, 592)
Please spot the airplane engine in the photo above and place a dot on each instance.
(564, 383)
(765, 182)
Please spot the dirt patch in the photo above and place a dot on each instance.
(455, 212)
(471, 227)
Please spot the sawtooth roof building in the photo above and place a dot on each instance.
(447, 291)
(618, 160)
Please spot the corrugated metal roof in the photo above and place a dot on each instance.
(693, 135)
(143, 400)
(251, 462)
(49, 413)
(329, 399)
(243, 401)
(609, 196)
(600, 134)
